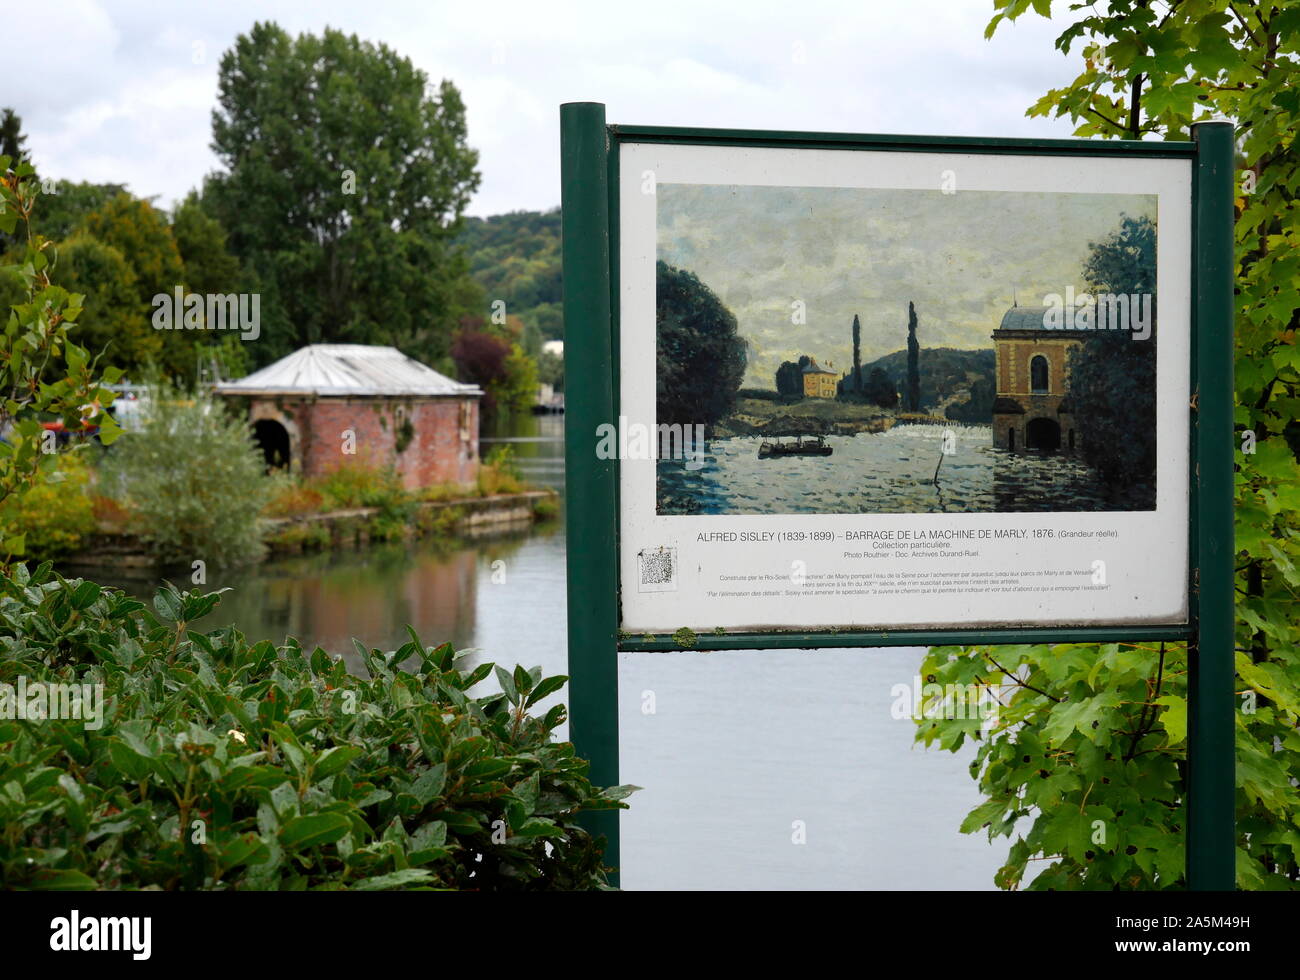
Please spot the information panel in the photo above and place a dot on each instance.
(878, 389)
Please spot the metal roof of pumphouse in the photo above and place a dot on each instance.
(348, 369)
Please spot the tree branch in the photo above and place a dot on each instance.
(1019, 682)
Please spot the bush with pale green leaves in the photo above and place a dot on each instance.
(193, 479)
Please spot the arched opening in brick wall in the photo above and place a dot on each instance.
(273, 439)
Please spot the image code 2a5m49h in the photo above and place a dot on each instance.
(865, 351)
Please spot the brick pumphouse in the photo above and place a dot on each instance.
(330, 404)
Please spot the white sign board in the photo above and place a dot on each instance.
(869, 389)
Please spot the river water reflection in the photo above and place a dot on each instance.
(740, 745)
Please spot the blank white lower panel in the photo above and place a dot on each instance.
(743, 745)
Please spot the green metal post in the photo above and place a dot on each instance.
(1211, 831)
(590, 483)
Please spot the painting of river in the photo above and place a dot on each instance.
(985, 352)
(891, 472)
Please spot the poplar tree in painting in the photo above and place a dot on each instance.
(913, 362)
(857, 354)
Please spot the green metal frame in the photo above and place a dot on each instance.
(1211, 824)
(590, 184)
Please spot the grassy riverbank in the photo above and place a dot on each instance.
(811, 416)
(102, 524)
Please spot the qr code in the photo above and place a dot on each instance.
(658, 569)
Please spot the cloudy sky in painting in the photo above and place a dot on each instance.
(123, 90)
(846, 251)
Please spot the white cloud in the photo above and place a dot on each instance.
(113, 91)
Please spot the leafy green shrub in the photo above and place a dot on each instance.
(298, 536)
(439, 492)
(194, 478)
(390, 526)
(440, 521)
(290, 497)
(499, 473)
(358, 485)
(546, 508)
(57, 515)
(222, 764)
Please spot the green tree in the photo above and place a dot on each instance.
(700, 354)
(143, 236)
(550, 370)
(211, 268)
(1098, 733)
(66, 203)
(520, 392)
(1112, 375)
(141, 233)
(857, 353)
(515, 258)
(498, 365)
(345, 176)
(56, 516)
(114, 321)
(12, 141)
(43, 372)
(201, 241)
(12, 145)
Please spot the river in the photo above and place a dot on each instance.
(900, 471)
(745, 753)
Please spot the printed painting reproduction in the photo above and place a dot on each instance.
(845, 350)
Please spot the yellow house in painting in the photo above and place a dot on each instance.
(818, 382)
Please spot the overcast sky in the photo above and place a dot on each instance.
(847, 251)
(123, 91)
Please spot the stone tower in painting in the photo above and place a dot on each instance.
(1031, 372)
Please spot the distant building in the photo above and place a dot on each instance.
(555, 347)
(1032, 408)
(331, 404)
(817, 381)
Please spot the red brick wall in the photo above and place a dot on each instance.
(443, 444)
